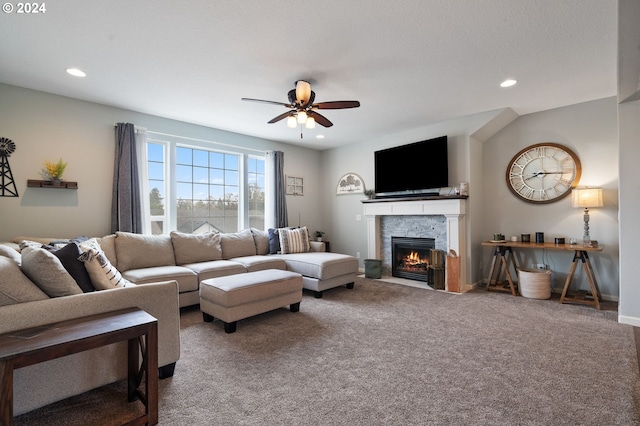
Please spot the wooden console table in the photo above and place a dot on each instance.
(503, 257)
(38, 344)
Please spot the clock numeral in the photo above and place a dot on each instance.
(527, 157)
(517, 185)
(527, 192)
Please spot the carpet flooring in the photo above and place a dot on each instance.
(387, 354)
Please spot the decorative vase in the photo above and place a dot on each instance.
(56, 181)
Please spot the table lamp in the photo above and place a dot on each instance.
(586, 198)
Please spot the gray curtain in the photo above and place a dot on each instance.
(126, 213)
(280, 192)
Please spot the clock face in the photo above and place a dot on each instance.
(543, 173)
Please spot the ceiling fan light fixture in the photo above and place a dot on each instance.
(303, 91)
(291, 122)
(302, 117)
(311, 123)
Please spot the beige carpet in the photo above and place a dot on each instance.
(387, 354)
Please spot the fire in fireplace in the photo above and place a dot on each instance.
(411, 258)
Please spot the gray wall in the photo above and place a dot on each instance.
(48, 127)
(629, 134)
(480, 146)
(590, 130)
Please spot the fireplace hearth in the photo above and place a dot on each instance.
(411, 258)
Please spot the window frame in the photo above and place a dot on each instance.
(170, 147)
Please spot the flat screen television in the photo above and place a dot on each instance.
(419, 168)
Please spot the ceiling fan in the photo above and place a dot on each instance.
(302, 109)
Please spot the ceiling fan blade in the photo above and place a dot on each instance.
(266, 102)
(320, 119)
(336, 105)
(280, 117)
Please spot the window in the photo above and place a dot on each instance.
(210, 190)
(157, 184)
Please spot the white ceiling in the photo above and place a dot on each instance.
(409, 62)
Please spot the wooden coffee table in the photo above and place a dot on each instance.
(38, 344)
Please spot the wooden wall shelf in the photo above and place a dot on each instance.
(32, 183)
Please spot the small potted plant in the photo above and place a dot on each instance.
(53, 171)
(319, 235)
(370, 193)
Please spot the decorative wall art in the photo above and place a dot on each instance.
(295, 185)
(7, 184)
(351, 183)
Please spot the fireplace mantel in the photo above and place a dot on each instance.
(453, 208)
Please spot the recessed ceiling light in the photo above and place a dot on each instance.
(76, 72)
(508, 83)
(319, 136)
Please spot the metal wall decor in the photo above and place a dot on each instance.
(350, 183)
(7, 184)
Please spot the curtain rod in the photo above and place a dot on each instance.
(199, 140)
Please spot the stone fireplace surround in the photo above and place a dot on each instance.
(451, 237)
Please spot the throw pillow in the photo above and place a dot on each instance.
(274, 241)
(135, 251)
(194, 248)
(261, 240)
(103, 274)
(237, 244)
(68, 256)
(47, 272)
(294, 240)
(15, 287)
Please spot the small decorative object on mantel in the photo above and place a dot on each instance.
(350, 183)
(370, 193)
(54, 171)
(7, 185)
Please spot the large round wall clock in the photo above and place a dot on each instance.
(543, 173)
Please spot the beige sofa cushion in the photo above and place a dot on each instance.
(261, 240)
(237, 244)
(322, 266)
(216, 268)
(10, 253)
(193, 248)
(135, 251)
(47, 272)
(15, 287)
(187, 279)
(108, 246)
(261, 263)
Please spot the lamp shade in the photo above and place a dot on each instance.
(311, 122)
(586, 197)
(292, 122)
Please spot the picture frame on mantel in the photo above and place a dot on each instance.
(350, 183)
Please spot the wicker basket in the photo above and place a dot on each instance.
(534, 283)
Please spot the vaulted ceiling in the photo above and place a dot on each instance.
(409, 62)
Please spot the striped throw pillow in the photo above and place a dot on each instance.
(103, 274)
(294, 240)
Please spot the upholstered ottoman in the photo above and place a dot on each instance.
(240, 296)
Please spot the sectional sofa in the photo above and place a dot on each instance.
(189, 259)
(159, 274)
